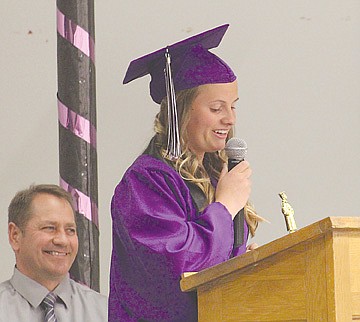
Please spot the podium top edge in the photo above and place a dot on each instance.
(252, 258)
(344, 222)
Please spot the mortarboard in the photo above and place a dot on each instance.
(183, 65)
(191, 64)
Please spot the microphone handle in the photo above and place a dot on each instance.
(239, 217)
(233, 162)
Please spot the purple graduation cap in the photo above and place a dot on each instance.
(183, 65)
(191, 64)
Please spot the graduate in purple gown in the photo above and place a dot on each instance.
(173, 210)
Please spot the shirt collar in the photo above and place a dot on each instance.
(63, 290)
(34, 292)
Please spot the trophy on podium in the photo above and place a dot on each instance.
(288, 213)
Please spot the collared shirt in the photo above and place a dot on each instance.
(20, 299)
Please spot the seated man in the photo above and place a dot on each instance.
(42, 233)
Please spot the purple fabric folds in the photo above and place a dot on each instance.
(192, 64)
(157, 235)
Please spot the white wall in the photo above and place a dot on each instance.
(298, 68)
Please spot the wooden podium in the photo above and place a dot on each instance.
(310, 275)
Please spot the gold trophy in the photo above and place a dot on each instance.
(288, 213)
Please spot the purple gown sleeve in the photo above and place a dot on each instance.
(157, 235)
(156, 209)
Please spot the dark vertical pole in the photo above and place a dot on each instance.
(77, 129)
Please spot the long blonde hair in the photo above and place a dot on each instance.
(188, 165)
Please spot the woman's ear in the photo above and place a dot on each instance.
(14, 233)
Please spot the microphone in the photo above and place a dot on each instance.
(236, 150)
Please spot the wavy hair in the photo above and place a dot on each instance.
(187, 164)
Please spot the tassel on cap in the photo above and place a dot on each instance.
(192, 64)
(173, 150)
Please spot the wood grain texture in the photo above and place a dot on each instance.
(310, 275)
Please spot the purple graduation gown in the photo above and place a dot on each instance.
(157, 235)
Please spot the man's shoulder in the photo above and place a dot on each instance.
(86, 291)
(7, 292)
(5, 287)
(93, 304)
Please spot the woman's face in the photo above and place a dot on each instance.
(211, 116)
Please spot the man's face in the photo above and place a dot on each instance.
(47, 247)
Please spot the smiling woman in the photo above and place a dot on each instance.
(211, 117)
(172, 211)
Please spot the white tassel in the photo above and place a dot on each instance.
(173, 149)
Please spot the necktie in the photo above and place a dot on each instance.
(48, 304)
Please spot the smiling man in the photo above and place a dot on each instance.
(42, 234)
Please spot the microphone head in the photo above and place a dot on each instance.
(236, 149)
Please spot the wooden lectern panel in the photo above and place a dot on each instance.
(354, 250)
(310, 275)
